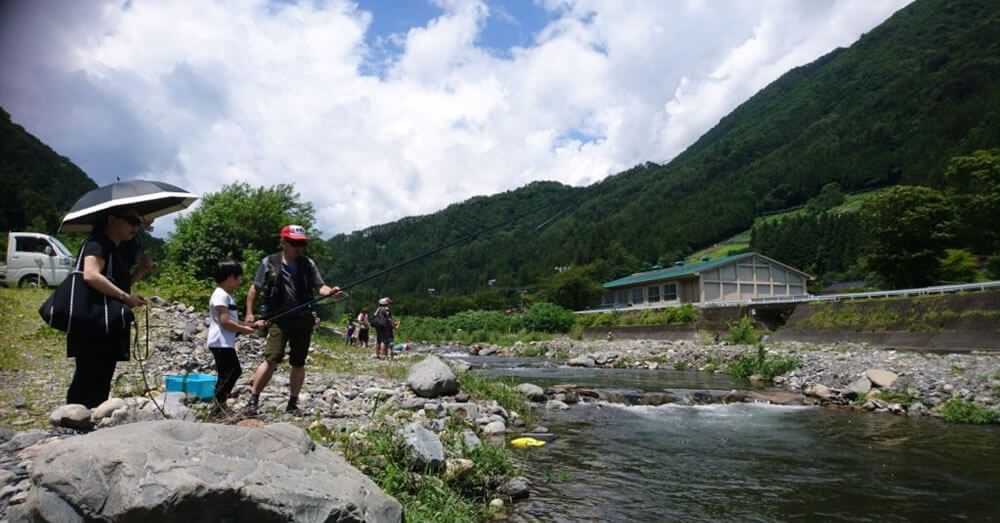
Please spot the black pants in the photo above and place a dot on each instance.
(227, 365)
(91, 383)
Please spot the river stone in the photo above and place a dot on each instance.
(105, 409)
(882, 379)
(431, 378)
(819, 391)
(413, 404)
(72, 416)
(470, 440)
(516, 487)
(775, 397)
(469, 411)
(860, 386)
(581, 361)
(23, 440)
(457, 468)
(494, 427)
(165, 471)
(425, 446)
(531, 391)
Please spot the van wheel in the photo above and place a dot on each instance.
(31, 281)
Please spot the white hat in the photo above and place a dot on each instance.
(385, 301)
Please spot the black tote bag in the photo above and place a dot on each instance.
(75, 306)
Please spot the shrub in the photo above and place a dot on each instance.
(961, 411)
(743, 333)
(547, 317)
(761, 364)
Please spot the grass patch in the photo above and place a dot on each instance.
(428, 495)
(32, 357)
(530, 351)
(761, 364)
(847, 316)
(900, 395)
(502, 390)
(962, 411)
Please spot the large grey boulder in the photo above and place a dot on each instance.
(431, 378)
(179, 471)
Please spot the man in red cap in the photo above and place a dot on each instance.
(287, 280)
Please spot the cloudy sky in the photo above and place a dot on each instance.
(381, 109)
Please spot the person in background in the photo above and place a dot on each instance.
(384, 326)
(350, 332)
(222, 329)
(97, 355)
(363, 327)
(287, 280)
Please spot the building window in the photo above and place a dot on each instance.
(669, 291)
(637, 295)
(623, 296)
(653, 293)
(608, 298)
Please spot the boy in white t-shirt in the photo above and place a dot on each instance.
(222, 329)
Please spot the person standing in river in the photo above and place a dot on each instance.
(287, 280)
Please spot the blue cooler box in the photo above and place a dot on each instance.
(200, 385)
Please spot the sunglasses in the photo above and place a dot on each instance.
(134, 221)
(297, 243)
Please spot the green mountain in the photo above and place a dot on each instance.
(892, 109)
(40, 184)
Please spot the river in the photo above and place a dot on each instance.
(744, 462)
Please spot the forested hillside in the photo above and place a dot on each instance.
(39, 184)
(893, 108)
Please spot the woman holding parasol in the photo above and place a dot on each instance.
(113, 214)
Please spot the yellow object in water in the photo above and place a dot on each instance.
(526, 442)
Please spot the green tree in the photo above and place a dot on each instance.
(233, 220)
(574, 288)
(910, 227)
(829, 197)
(958, 266)
(975, 182)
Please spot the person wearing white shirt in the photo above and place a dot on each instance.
(222, 329)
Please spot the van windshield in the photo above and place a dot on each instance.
(61, 248)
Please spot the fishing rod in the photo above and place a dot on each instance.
(425, 255)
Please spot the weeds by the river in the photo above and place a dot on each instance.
(761, 364)
(960, 411)
(743, 333)
(429, 495)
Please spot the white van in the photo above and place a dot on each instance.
(35, 260)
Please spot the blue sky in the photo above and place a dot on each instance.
(378, 109)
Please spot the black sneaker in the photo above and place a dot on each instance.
(292, 407)
(251, 408)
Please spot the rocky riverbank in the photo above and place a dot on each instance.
(839, 374)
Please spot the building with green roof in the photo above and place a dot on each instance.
(738, 278)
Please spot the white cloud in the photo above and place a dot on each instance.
(206, 94)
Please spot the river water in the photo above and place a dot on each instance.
(744, 462)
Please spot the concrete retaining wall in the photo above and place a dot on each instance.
(968, 321)
(952, 322)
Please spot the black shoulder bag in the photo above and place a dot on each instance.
(75, 306)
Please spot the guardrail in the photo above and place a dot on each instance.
(803, 298)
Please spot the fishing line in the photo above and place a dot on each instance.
(425, 255)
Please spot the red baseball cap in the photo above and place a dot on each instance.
(294, 232)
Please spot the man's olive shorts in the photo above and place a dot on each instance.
(294, 332)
